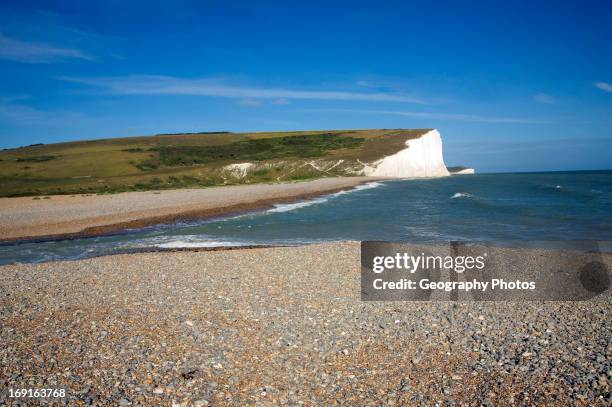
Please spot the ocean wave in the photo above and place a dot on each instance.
(178, 244)
(361, 187)
(279, 208)
(182, 241)
(461, 195)
(369, 185)
(549, 186)
(577, 191)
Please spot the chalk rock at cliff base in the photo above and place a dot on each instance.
(463, 171)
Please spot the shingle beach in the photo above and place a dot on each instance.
(87, 215)
(284, 326)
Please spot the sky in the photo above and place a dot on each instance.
(526, 86)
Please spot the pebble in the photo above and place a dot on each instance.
(114, 330)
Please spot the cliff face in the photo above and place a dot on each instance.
(464, 171)
(421, 158)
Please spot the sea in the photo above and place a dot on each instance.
(569, 210)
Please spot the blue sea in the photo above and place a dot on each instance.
(559, 209)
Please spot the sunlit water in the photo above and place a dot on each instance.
(507, 209)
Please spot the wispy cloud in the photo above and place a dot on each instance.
(544, 98)
(11, 110)
(37, 53)
(441, 116)
(605, 86)
(281, 101)
(19, 112)
(259, 102)
(364, 84)
(167, 85)
(249, 102)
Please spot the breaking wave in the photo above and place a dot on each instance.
(179, 244)
(461, 195)
(279, 208)
(189, 241)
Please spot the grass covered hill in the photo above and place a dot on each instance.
(192, 160)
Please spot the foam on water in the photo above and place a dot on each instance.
(369, 185)
(177, 244)
(185, 241)
(279, 208)
(461, 195)
(296, 205)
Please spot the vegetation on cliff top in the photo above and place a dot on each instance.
(191, 160)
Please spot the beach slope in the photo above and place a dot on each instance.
(86, 215)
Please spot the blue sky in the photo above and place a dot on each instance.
(526, 86)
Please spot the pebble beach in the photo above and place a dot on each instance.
(70, 216)
(284, 326)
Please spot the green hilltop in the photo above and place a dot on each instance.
(184, 160)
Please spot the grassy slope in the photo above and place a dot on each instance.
(188, 160)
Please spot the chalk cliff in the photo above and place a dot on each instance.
(421, 158)
(464, 171)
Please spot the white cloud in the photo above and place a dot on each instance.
(605, 86)
(37, 53)
(167, 85)
(544, 98)
(441, 116)
(249, 102)
(281, 101)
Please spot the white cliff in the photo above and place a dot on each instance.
(464, 171)
(421, 158)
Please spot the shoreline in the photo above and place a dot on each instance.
(248, 247)
(99, 216)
